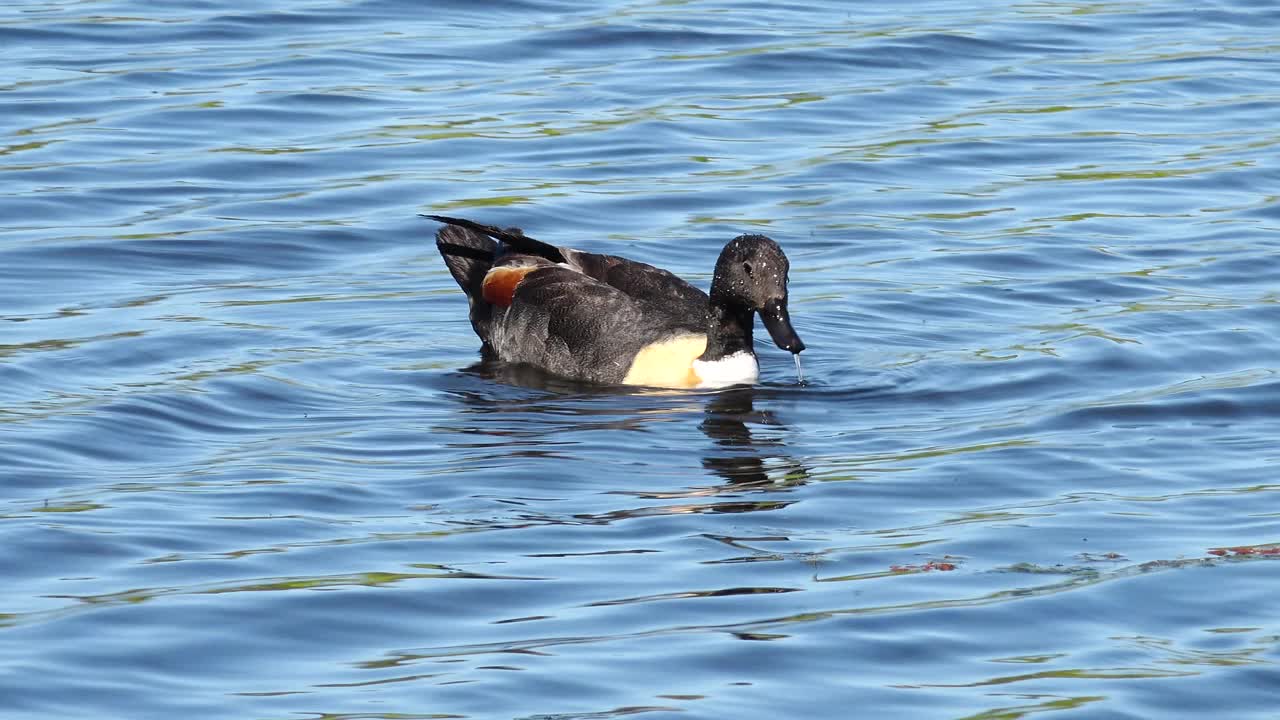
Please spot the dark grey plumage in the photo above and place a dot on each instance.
(469, 255)
(585, 315)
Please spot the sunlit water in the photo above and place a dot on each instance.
(249, 467)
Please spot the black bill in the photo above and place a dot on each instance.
(778, 323)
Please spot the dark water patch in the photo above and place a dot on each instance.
(151, 429)
(497, 12)
(171, 257)
(302, 100)
(649, 40)
(1188, 404)
(71, 34)
(276, 20)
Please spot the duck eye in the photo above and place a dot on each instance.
(747, 267)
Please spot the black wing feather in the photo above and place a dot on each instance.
(512, 236)
(574, 326)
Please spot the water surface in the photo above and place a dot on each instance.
(251, 467)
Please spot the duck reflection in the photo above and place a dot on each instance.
(739, 457)
(748, 448)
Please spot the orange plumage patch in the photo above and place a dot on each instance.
(500, 284)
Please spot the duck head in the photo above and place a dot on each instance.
(751, 277)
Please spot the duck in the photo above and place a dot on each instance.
(608, 320)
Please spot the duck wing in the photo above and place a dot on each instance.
(660, 293)
(575, 326)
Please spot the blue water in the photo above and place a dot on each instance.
(251, 467)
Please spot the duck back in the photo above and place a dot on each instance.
(575, 325)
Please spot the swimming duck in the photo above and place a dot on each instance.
(607, 319)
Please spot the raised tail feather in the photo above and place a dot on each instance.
(511, 236)
(468, 255)
(470, 250)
